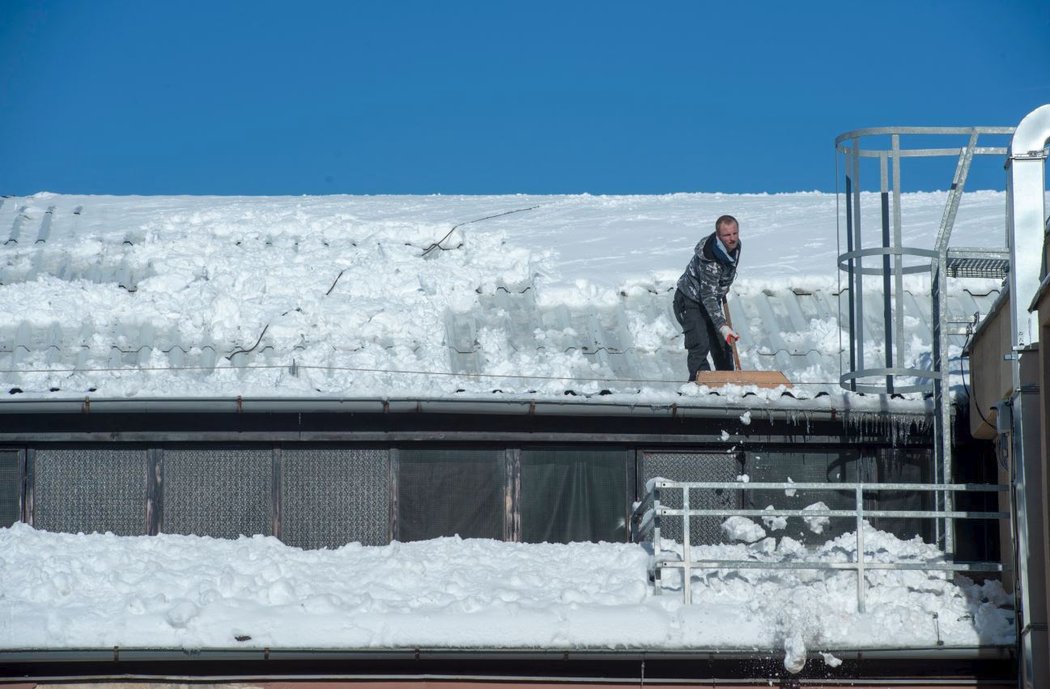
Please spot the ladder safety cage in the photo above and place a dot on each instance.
(891, 259)
(879, 358)
(649, 515)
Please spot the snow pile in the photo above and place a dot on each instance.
(808, 610)
(321, 290)
(96, 591)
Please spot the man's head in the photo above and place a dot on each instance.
(728, 231)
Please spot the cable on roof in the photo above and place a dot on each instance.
(335, 282)
(437, 244)
(234, 353)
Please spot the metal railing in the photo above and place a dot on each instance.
(649, 515)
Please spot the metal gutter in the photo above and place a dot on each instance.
(722, 408)
(117, 654)
(808, 438)
(514, 667)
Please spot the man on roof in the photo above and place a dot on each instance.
(701, 292)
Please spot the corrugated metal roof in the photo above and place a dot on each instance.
(630, 347)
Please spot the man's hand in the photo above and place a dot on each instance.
(728, 334)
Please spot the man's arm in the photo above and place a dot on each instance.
(710, 294)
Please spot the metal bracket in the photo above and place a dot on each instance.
(1031, 155)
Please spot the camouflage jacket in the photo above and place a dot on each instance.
(708, 276)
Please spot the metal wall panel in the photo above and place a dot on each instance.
(695, 466)
(90, 490)
(218, 492)
(10, 486)
(331, 497)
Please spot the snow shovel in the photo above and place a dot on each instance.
(761, 379)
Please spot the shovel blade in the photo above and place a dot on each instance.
(762, 379)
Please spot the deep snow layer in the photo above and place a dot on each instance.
(168, 591)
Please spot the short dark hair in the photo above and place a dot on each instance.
(725, 220)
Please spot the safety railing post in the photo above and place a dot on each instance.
(860, 549)
(657, 579)
(687, 556)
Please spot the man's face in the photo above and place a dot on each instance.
(729, 234)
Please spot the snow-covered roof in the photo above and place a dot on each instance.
(437, 297)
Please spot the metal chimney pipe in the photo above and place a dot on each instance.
(1025, 217)
(1026, 213)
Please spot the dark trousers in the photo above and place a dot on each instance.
(701, 337)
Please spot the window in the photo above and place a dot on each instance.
(817, 466)
(719, 467)
(10, 487)
(572, 494)
(445, 492)
(218, 492)
(90, 490)
(331, 497)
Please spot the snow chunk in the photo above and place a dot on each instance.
(774, 522)
(818, 523)
(794, 652)
(742, 529)
(830, 660)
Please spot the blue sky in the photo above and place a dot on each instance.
(493, 97)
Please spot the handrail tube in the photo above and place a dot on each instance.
(740, 485)
(884, 514)
(926, 152)
(879, 131)
(648, 520)
(814, 564)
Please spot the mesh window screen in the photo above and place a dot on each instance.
(695, 466)
(444, 492)
(831, 466)
(90, 490)
(222, 493)
(331, 497)
(573, 495)
(10, 487)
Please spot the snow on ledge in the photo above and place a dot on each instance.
(64, 591)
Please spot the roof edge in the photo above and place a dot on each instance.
(718, 407)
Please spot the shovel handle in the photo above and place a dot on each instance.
(729, 322)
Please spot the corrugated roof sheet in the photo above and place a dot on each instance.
(630, 347)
